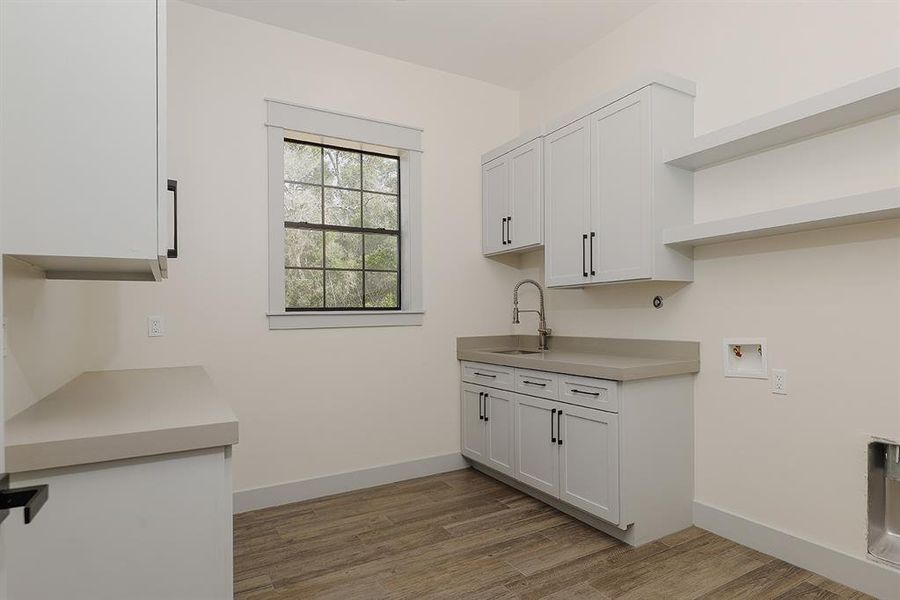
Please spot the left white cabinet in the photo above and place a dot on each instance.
(512, 197)
(82, 137)
(488, 427)
(147, 528)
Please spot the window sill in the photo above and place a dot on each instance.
(326, 320)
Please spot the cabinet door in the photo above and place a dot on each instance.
(472, 422)
(525, 196)
(589, 461)
(494, 204)
(566, 204)
(620, 190)
(537, 456)
(499, 423)
(79, 130)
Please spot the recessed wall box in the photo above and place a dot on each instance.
(884, 502)
(745, 357)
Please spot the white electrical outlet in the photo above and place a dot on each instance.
(779, 381)
(154, 326)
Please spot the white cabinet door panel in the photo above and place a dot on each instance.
(620, 190)
(495, 204)
(567, 203)
(589, 461)
(525, 194)
(537, 457)
(78, 126)
(472, 425)
(499, 425)
(147, 528)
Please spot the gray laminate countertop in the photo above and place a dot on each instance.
(605, 358)
(111, 415)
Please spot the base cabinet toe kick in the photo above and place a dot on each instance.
(617, 455)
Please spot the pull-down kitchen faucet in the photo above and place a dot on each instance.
(543, 331)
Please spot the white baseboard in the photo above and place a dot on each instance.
(307, 489)
(859, 573)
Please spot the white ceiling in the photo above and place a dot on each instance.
(506, 42)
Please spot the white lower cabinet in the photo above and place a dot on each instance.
(473, 434)
(589, 460)
(616, 454)
(499, 430)
(569, 452)
(487, 427)
(148, 528)
(536, 449)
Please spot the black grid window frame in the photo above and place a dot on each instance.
(349, 229)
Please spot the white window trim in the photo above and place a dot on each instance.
(285, 118)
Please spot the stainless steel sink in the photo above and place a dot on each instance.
(516, 351)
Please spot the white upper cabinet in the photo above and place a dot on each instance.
(525, 222)
(608, 195)
(495, 204)
(620, 190)
(82, 137)
(512, 197)
(567, 181)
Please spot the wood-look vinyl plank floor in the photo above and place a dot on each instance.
(463, 535)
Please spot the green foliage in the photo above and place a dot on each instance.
(349, 189)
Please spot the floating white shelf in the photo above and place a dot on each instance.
(864, 100)
(847, 210)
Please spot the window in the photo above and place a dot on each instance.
(344, 220)
(342, 228)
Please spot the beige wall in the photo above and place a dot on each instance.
(310, 402)
(54, 330)
(828, 301)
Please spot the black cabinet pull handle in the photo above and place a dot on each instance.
(559, 428)
(486, 405)
(508, 230)
(552, 435)
(484, 375)
(480, 409)
(577, 391)
(592, 253)
(29, 498)
(526, 382)
(172, 186)
(583, 267)
(503, 230)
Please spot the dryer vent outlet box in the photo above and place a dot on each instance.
(884, 503)
(745, 357)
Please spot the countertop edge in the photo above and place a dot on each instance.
(34, 456)
(675, 367)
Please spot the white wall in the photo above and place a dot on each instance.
(828, 301)
(310, 402)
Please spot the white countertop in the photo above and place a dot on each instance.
(111, 415)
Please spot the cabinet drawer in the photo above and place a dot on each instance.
(588, 392)
(537, 383)
(490, 375)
